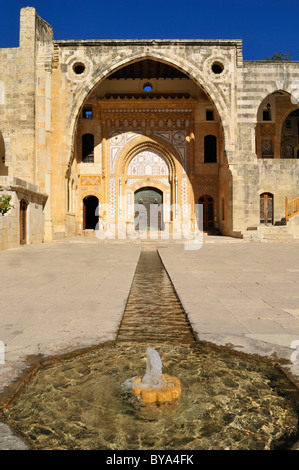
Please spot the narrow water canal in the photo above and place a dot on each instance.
(154, 313)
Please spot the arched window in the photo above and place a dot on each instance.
(267, 113)
(88, 148)
(210, 149)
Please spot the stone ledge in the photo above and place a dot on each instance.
(9, 183)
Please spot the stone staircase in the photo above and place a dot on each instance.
(270, 234)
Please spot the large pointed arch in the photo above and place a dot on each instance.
(190, 68)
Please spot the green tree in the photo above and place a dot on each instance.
(280, 57)
(5, 204)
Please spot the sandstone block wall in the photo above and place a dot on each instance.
(41, 98)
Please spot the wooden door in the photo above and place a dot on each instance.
(266, 208)
(23, 222)
(208, 211)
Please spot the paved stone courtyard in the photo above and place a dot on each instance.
(71, 294)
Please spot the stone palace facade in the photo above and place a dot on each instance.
(92, 132)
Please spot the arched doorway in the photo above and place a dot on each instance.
(148, 204)
(90, 212)
(266, 208)
(23, 222)
(208, 211)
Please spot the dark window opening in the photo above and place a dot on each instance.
(266, 115)
(88, 148)
(87, 113)
(217, 68)
(210, 149)
(209, 115)
(79, 68)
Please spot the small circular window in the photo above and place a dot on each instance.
(217, 68)
(78, 68)
(147, 87)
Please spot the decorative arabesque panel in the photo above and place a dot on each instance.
(148, 163)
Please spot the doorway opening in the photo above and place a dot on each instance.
(148, 203)
(90, 212)
(23, 221)
(208, 212)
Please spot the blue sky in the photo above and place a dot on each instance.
(265, 26)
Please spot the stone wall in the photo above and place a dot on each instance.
(10, 222)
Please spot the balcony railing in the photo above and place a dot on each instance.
(292, 207)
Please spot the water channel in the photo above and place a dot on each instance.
(229, 400)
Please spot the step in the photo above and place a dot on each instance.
(279, 236)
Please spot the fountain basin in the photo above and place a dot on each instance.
(169, 391)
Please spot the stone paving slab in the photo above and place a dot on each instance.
(63, 295)
(241, 294)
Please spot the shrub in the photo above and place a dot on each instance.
(5, 204)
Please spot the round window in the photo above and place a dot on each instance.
(217, 68)
(147, 87)
(79, 68)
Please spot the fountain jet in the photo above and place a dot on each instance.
(156, 387)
